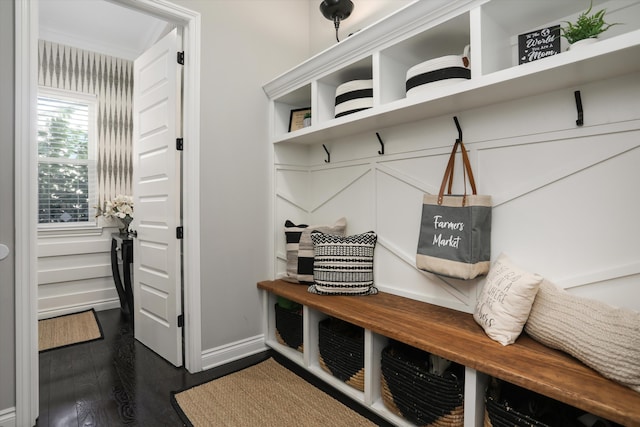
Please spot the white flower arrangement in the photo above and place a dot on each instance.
(120, 208)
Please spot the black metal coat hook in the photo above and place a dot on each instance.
(328, 154)
(455, 119)
(580, 120)
(381, 151)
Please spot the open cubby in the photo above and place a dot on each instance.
(424, 30)
(386, 317)
(327, 85)
(446, 38)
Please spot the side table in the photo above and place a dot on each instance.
(122, 250)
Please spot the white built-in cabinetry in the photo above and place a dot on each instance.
(429, 29)
(384, 52)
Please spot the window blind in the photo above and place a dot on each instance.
(66, 168)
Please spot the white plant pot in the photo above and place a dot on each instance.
(582, 43)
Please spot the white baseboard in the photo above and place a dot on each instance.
(8, 417)
(68, 309)
(228, 353)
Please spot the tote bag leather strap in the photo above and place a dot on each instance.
(447, 180)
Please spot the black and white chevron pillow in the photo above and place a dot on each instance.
(343, 265)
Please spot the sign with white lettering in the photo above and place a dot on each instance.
(539, 44)
(455, 237)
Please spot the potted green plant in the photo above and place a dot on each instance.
(307, 120)
(587, 27)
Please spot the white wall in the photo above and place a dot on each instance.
(365, 12)
(553, 184)
(244, 44)
(565, 197)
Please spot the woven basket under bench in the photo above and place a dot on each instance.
(289, 327)
(411, 391)
(341, 348)
(509, 405)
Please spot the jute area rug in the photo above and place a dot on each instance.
(69, 329)
(265, 394)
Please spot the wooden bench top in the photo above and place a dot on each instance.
(456, 336)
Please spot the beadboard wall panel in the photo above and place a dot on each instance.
(74, 273)
(57, 299)
(565, 197)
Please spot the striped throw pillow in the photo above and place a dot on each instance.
(300, 248)
(343, 265)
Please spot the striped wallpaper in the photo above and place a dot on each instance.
(111, 80)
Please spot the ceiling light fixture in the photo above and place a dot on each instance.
(336, 10)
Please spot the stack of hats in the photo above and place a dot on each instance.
(437, 72)
(354, 96)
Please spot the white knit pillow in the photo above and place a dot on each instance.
(602, 337)
(505, 301)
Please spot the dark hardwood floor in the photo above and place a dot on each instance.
(117, 381)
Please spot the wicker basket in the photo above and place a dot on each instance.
(289, 327)
(409, 390)
(509, 405)
(341, 347)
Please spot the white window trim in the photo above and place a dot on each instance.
(92, 102)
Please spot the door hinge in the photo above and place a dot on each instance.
(179, 144)
(181, 321)
(181, 58)
(179, 232)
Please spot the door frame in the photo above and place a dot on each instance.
(26, 284)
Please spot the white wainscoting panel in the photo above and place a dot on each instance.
(8, 417)
(74, 273)
(565, 197)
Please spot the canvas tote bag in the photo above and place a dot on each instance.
(455, 230)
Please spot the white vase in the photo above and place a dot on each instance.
(582, 43)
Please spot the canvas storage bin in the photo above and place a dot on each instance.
(436, 72)
(289, 327)
(341, 348)
(411, 391)
(353, 96)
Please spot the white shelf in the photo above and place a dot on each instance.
(489, 27)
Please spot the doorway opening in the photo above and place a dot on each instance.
(26, 193)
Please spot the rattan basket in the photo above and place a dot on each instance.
(289, 327)
(411, 391)
(341, 347)
(509, 405)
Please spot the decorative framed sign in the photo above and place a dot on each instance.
(538, 44)
(296, 119)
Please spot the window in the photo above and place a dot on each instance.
(66, 157)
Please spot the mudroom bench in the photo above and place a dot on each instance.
(453, 335)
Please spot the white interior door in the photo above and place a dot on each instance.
(157, 278)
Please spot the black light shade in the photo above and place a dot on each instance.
(336, 9)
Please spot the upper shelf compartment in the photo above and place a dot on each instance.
(441, 40)
(501, 21)
(425, 30)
